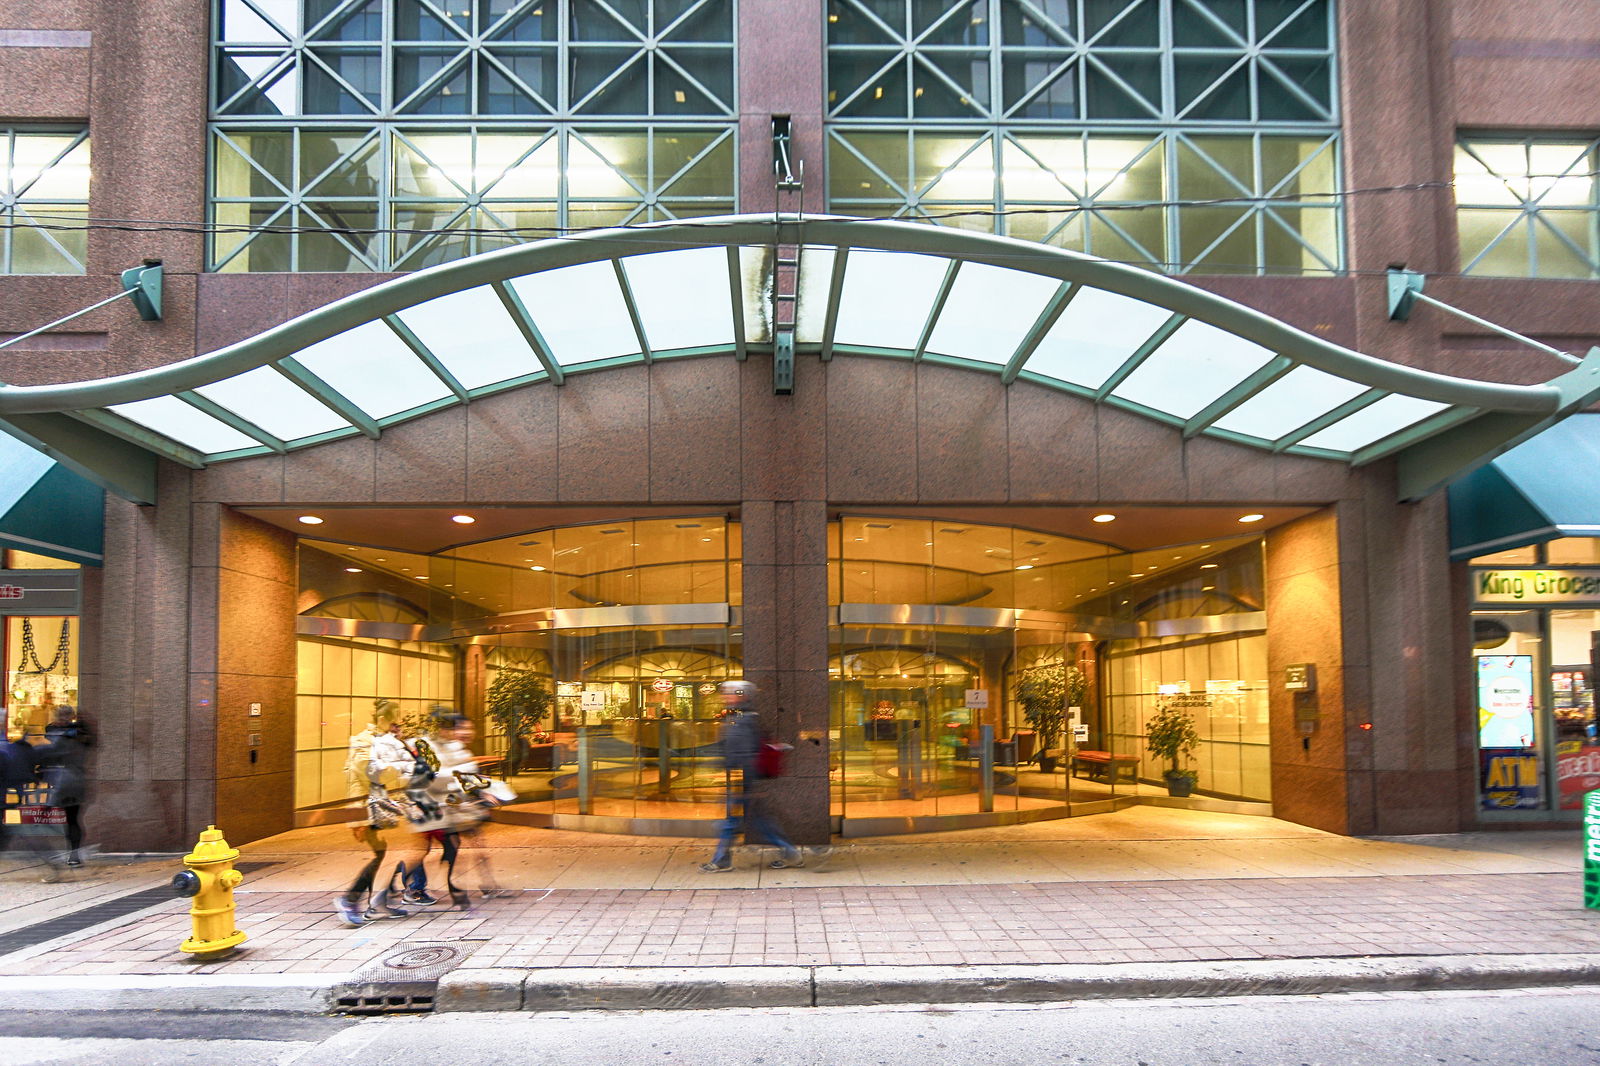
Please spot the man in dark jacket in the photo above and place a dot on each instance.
(16, 774)
(741, 744)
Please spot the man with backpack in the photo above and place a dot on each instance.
(744, 752)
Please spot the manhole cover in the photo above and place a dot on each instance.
(422, 958)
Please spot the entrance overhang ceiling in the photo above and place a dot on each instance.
(538, 312)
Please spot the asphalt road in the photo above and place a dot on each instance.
(1543, 1027)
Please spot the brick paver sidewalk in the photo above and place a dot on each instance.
(1058, 922)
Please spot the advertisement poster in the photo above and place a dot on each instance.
(1505, 701)
(1577, 772)
(1510, 779)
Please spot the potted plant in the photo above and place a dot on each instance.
(1170, 734)
(1045, 693)
(518, 700)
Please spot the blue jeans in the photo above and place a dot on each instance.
(754, 812)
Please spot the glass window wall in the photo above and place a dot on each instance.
(1528, 206)
(44, 200)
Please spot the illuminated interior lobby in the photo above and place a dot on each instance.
(887, 472)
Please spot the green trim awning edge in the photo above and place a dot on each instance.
(1530, 494)
(1478, 420)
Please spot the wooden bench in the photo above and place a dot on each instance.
(1104, 766)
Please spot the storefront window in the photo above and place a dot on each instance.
(1050, 650)
(589, 657)
(41, 659)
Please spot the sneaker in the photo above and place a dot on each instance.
(418, 899)
(74, 863)
(347, 909)
(795, 858)
(380, 911)
(715, 868)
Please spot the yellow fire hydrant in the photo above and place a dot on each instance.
(210, 880)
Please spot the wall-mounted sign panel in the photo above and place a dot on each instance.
(1569, 586)
(41, 592)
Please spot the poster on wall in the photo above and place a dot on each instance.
(1505, 701)
(1577, 772)
(1510, 779)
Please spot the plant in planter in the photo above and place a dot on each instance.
(1045, 693)
(518, 701)
(1170, 734)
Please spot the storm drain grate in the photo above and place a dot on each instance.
(76, 921)
(404, 981)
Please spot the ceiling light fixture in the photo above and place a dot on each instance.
(1025, 566)
(352, 570)
(462, 519)
(1251, 517)
(1208, 566)
(310, 520)
(535, 568)
(1103, 518)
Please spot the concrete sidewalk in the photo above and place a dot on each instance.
(1147, 901)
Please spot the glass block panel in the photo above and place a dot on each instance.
(692, 21)
(1039, 23)
(867, 164)
(685, 299)
(1129, 236)
(694, 81)
(989, 311)
(1212, 89)
(247, 163)
(1564, 244)
(172, 418)
(969, 178)
(256, 250)
(597, 91)
(272, 79)
(340, 164)
(268, 23)
(1312, 76)
(886, 298)
(273, 402)
(608, 165)
(1371, 424)
(49, 167)
(950, 85)
(1094, 336)
(1197, 364)
(1215, 168)
(516, 165)
(1561, 174)
(1122, 23)
(580, 312)
(1123, 86)
(1493, 242)
(941, 22)
(1040, 86)
(373, 368)
(849, 22)
(493, 350)
(49, 239)
(351, 243)
(933, 156)
(517, 83)
(343, 81)
(432, 81)
(432, 164)
(1301, 395)
(617, 20)
(1217, 240)
(687, 165)
(867, 84)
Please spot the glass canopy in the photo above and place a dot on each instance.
(530, 315)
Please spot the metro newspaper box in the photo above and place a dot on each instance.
(1591, 850)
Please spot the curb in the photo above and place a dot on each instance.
(707, 987)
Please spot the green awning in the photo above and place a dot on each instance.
(1544, 488)
(46, 508)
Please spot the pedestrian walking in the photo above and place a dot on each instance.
(452, 800)
(63, 766)
(381, 759)
(742, 755)
(16, 775)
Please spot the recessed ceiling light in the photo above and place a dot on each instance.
(1251, 517)
(1208, 566)
(535, 568)
(352, 570)
(1208, 588)
(380, 559)
(462, 519)
(1025, 566)
(310, 520)
(1105, 518)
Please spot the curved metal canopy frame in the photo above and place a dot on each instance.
(539, 312)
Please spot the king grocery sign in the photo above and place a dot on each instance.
(1573, 585)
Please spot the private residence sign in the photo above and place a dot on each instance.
(1570, 586)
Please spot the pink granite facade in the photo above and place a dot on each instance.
(191, 619)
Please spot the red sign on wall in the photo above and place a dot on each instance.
(1577, 772)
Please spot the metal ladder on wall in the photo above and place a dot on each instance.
(788, 200)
